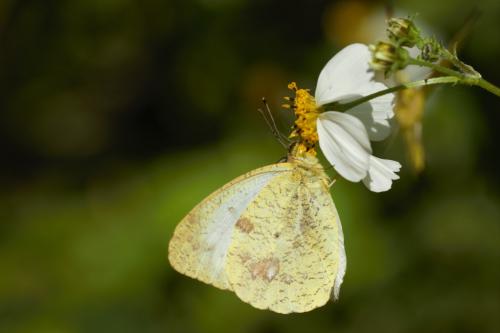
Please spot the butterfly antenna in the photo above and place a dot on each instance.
(275, 134)
(269, 119)
(274, 126)
(276, 129)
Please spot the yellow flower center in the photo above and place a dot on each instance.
(306, 113)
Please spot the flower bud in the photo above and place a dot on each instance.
(430, 50)
(388, 58)
(403, 32)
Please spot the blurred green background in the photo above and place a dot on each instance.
(118, 116)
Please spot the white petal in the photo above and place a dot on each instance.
(344, 142)
(351, 125)
(381, 174)
(347, 76)
(375, 115)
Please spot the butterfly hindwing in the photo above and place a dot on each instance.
(286, 252)
(199, 245)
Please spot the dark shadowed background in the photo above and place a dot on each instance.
(118, 116)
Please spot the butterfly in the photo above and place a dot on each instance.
(272, 236)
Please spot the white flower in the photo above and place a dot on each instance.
(345, 137)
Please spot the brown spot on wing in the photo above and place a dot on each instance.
(244, 257)
(191, 219)
(265, 269)
(244, 225)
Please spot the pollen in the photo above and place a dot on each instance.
(306, 113)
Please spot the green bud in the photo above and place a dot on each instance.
(431, 50)
(403, 32)
(388, 58)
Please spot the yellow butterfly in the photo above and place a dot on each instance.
(273, 236)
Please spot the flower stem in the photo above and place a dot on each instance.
(467, 69)
(473, 79)
(436, 67)
(489, 86)
(437, 80)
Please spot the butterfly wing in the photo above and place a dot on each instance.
(287, 252)
(199, 245)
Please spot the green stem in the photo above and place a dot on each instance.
(467, 69)
(436, 67)
(489, 86)
(469, 79)
(437, 80)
